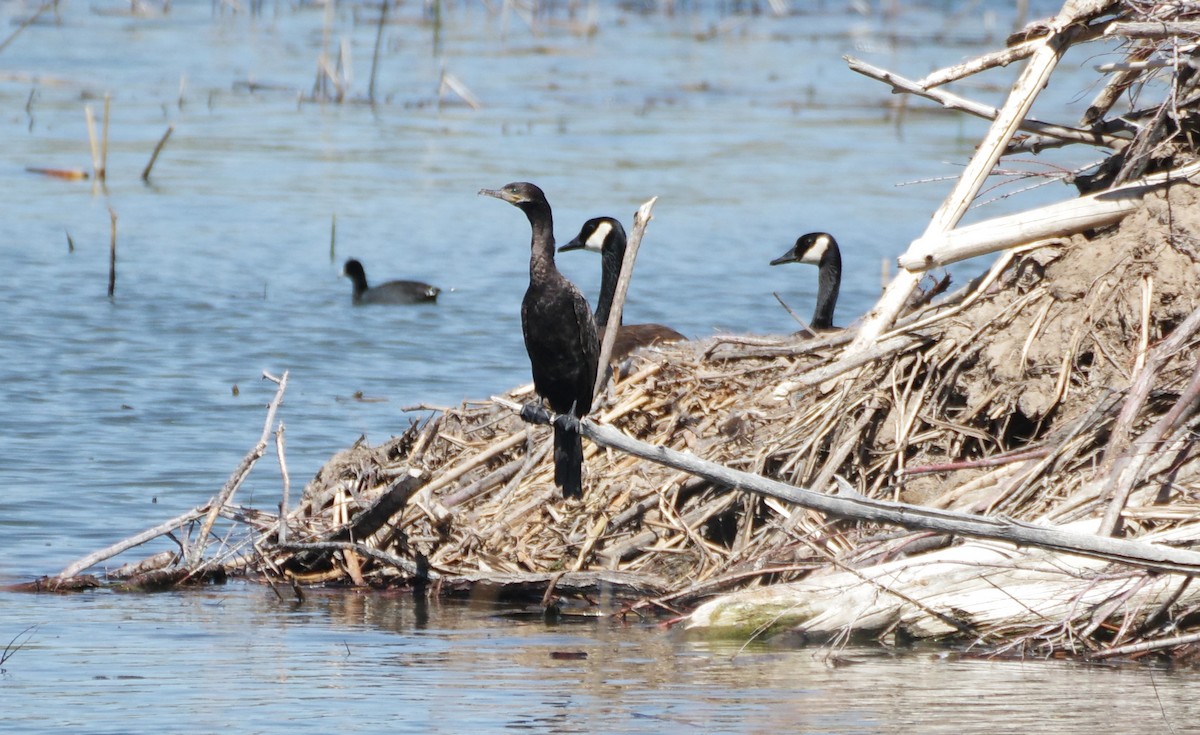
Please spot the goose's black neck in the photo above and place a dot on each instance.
(612, 255)
(829, 279)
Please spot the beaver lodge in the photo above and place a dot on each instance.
(1012, 466)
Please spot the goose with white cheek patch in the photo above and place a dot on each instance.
(606, 236)
(821, 250)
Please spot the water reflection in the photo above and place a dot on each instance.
(239, 657)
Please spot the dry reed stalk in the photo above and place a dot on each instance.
(383, 13)
(27, 22)
(448, 81)
(283, 502)
(112, 252)
(102, 173)
(333, 238)
(69, 174)
(157, 150)
(90, 118)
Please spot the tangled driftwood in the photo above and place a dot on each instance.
(1047, 407)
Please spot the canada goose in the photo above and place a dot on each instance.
(821, 250)
(606, 236)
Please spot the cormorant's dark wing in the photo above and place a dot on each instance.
(588, 349)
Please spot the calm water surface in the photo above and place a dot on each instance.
(118, 413)
(238, 659)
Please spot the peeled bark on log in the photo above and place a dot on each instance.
(955, 591)
(1055, 220)
(1008, 120)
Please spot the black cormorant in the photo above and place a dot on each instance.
(560, 335)
(392, 292)
(821, 250)
(606, 236)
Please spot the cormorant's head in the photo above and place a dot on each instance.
(812, 249)
(598, 235)
(519, 194)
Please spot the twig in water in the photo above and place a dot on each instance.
(102, 173)
(17, 643)
(333, 239)
(112, 254)
(29, 107)
(383, 11)
(92, 145)
(455, 85)
(68, 174)
(157, 149)
(345, 69)
(321, 87)
(27, 22)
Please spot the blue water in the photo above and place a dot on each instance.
(116, 414)
(243, 661)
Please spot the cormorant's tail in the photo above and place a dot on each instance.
(568, 461)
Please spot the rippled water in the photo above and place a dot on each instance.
(118, 413)
(243, 661)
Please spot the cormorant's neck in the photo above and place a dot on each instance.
(829, 279)
(612, 256)
(541, 257)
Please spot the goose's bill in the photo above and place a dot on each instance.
(788, 257)
(575, 244)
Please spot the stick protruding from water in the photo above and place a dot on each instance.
(112, 254)
(157, 149)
